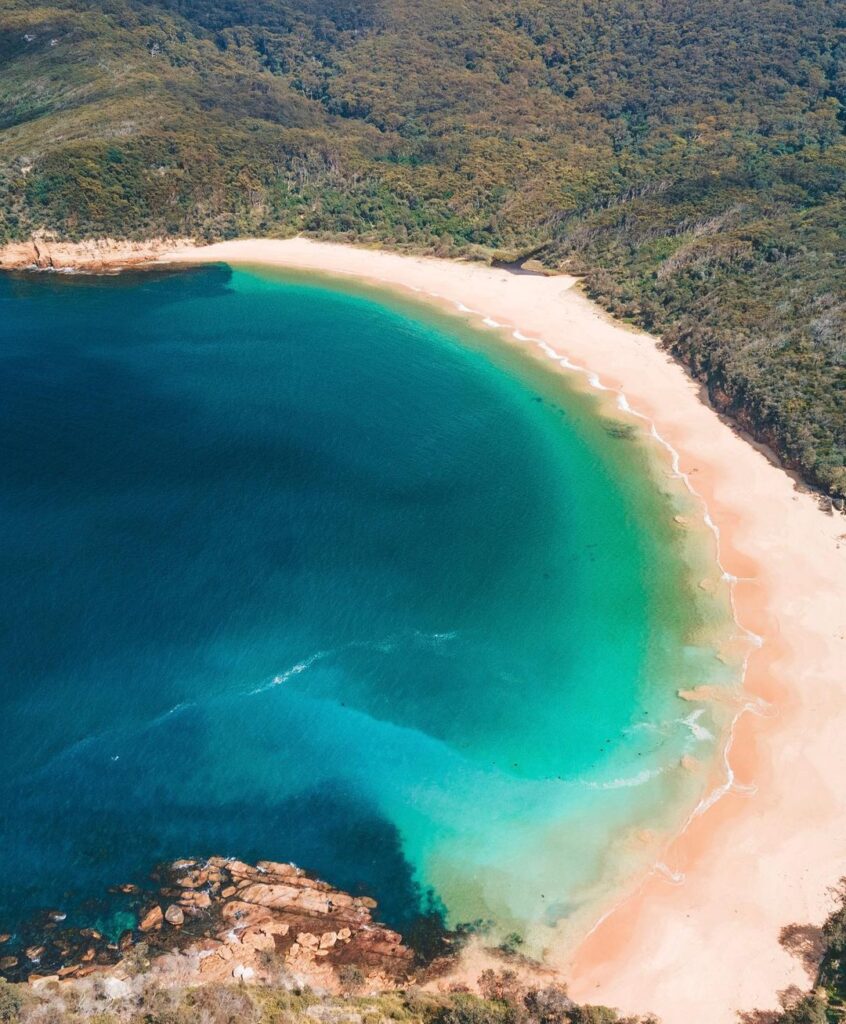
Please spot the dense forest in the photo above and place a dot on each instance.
(688, 158)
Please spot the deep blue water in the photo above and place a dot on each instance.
(291, 572)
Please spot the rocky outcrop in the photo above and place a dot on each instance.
(223, 920)
(95, 255)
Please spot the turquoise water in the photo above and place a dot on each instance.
(301, 572)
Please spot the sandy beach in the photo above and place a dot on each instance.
(700, 941)
(697, 938)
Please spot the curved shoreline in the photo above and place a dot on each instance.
(741, 870)
(763, 853)
(615, 472)
(754, 641)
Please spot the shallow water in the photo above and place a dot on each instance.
(304, 572)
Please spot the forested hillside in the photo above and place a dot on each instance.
(687, 156)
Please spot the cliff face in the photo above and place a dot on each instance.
(222, 920)
(94, 255)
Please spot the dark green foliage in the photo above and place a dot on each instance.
(823, 952)
(11, 1002)
(832, 973)
(469, 1009)
(351, 978)
(593, 1015)
(688, 158)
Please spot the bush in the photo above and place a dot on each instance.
(11, 1002)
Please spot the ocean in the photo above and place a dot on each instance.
(301, 570)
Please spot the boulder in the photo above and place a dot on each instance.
(272, 867)
(152, 919)
(42, 980)
(195, 900)
(274, 895)
(127, 889)
(255, 938)
(175, 915)
(194, 879)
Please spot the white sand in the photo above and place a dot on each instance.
(765, 855)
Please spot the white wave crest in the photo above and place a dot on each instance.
(676, 877)
(629, 781)
(301, 666)
(699, 732)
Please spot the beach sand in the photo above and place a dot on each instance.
(697, 939)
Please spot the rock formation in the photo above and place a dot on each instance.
(94, 255)
(223, 920)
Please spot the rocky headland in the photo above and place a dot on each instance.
(221, 920)
(95, 255)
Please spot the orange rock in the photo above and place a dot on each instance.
(272, 867)
(152, 919)
(274, 895)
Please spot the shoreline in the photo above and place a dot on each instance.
(764, 854)
(216, 919)
(732, 879)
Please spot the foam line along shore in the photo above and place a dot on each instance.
(766, 854)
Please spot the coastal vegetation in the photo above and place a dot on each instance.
(503, 996)
(688, 160)
(823, 953)
(145, 985)
(505, 1001)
